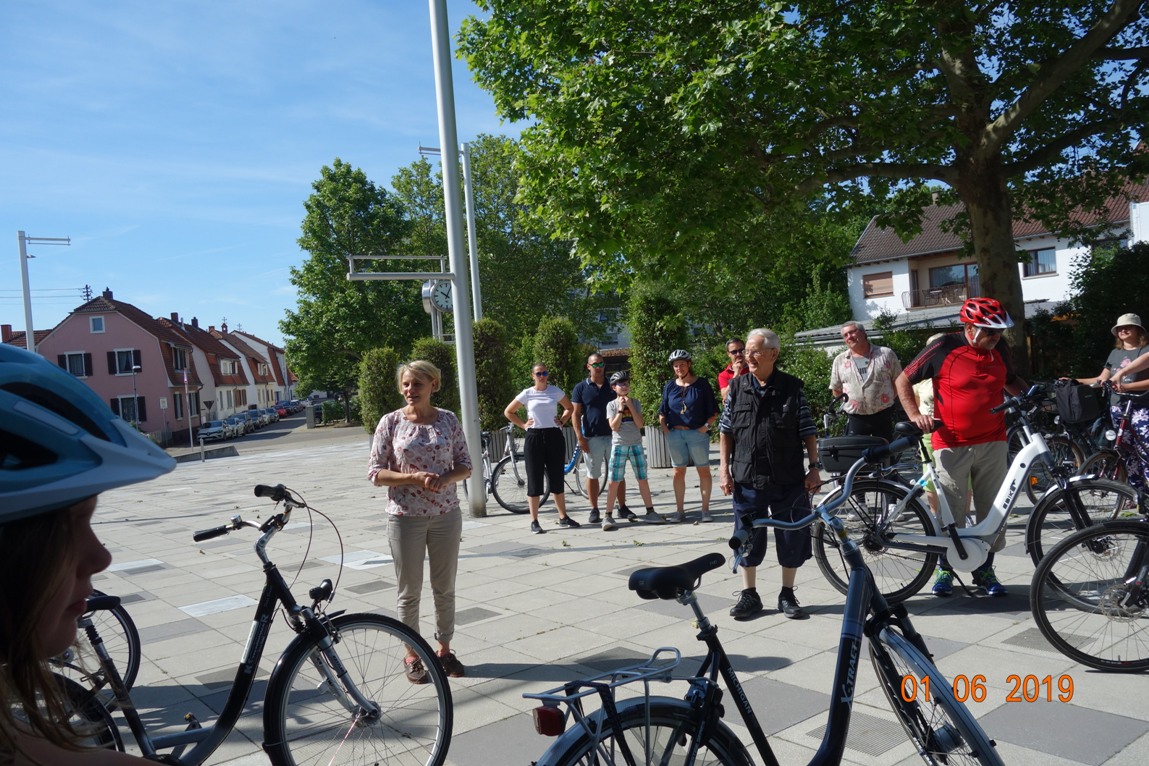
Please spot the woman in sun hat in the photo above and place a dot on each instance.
(1132, 342)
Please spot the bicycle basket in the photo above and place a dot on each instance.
(1077, 403)
(838, 453)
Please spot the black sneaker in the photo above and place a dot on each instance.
(788, 605)
(749, 604)
(594, 517)
(626, 513)
(568, 522)
(537, 529)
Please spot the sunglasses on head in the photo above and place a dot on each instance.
(542, 374)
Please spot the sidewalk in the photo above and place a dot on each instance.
(536, 610)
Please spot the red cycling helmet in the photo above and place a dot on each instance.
(985, 312)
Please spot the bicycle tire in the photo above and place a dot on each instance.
(898, 574)
(671, 723)
(579, 487)
(1050, 521)
(509, 485)
(1105, 464)
(1082, 604)
(1062, 450)
(943, 729)
(122, 640)
(305, 723)
(88, 717)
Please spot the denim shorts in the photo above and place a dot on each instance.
(687, 447)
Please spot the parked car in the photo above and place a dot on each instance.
(240, 423)
(272, 414)
(213, 431)
(254, 419)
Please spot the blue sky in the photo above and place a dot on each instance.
(175, 141)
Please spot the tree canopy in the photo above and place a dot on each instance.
(657, 129)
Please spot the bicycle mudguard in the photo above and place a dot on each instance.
(669, 582)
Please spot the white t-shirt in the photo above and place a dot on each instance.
(541, 405)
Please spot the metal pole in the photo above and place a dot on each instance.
(472, 243)
(188, 409)
(464, 343)
(29, 333)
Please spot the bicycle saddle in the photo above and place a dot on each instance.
(670, 582)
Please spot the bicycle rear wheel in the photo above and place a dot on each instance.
(310, 719)
(943, 729)
(509, 484)
(1051, 521)
(658, 733)
(88, 716)
(118, 632)
(1062, 451)
(1090, 598)
(898, 574)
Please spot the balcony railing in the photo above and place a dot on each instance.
(941, 296)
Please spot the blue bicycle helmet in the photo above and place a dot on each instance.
(59, 443)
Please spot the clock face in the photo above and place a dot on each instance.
(441, 296)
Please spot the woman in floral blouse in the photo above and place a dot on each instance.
(419, 453)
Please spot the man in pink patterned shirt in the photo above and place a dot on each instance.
(866, 373)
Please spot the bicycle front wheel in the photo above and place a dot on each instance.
(1051, 520)
(1105, 464)
(898, 574)
(943, 729)
(660, 732)
(509, 484)
(1090, 596)
(310, 716)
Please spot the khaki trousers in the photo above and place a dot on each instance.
(435, 538)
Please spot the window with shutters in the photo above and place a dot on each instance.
(121, 361)
(878, 285)
(131, 409)
(78, 363)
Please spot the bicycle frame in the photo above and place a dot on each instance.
(204, 741)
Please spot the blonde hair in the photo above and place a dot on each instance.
(1142, 338)
(420, 368)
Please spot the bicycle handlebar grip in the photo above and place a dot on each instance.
(207, 534)
(881, 452)
(276, 493)
(1010, 402)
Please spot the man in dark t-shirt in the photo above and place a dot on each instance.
(589, 399)
(969, 369)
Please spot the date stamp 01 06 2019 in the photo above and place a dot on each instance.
(1019, 688)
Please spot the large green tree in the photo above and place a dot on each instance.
(658, 128)
(336, 320)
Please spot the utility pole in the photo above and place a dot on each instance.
(24, 239)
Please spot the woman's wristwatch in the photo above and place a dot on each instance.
(816, 465)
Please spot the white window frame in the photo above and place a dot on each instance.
(96, 325)
(1034, 262)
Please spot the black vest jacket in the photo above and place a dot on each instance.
(764, 428)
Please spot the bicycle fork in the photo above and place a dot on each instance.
(336, 680)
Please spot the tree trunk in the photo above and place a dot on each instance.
(983, 189)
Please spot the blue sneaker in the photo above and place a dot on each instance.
(984, 578)
(944, 583)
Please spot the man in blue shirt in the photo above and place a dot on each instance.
(593, 432)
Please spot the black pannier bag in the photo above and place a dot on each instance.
(838, 453)
(1077, 403)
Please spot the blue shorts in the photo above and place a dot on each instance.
(597, 455)
(619, 455)
(688, 448)
(784, 503)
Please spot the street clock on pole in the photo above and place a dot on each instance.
(437, 295)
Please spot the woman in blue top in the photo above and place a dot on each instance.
(545, 448)
(687, 410)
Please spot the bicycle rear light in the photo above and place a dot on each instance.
(549, 720)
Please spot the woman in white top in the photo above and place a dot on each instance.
(545, 449)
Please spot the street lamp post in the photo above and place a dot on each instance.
(24, 239)
(135, 399)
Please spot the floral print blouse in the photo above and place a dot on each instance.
(400, 445)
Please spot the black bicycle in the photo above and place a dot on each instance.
(338, 694)
(637, 727)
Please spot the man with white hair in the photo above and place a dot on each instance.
(866, 373)
(762, 433)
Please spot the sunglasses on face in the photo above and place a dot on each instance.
(596, 365)
(735, 352)
(542, 374)
(990, 333)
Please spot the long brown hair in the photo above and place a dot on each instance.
(35, 558)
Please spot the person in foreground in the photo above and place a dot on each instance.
(60, 447)
(969, 370)
(762, 433)
(419, 453)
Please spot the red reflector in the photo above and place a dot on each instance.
(549, 721)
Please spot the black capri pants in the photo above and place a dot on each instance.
(784, 503)
(545, 451)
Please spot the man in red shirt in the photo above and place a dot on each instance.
(735, 349)
(970, 369)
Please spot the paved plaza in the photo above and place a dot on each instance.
(536, 610)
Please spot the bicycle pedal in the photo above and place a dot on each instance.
(193, 722)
